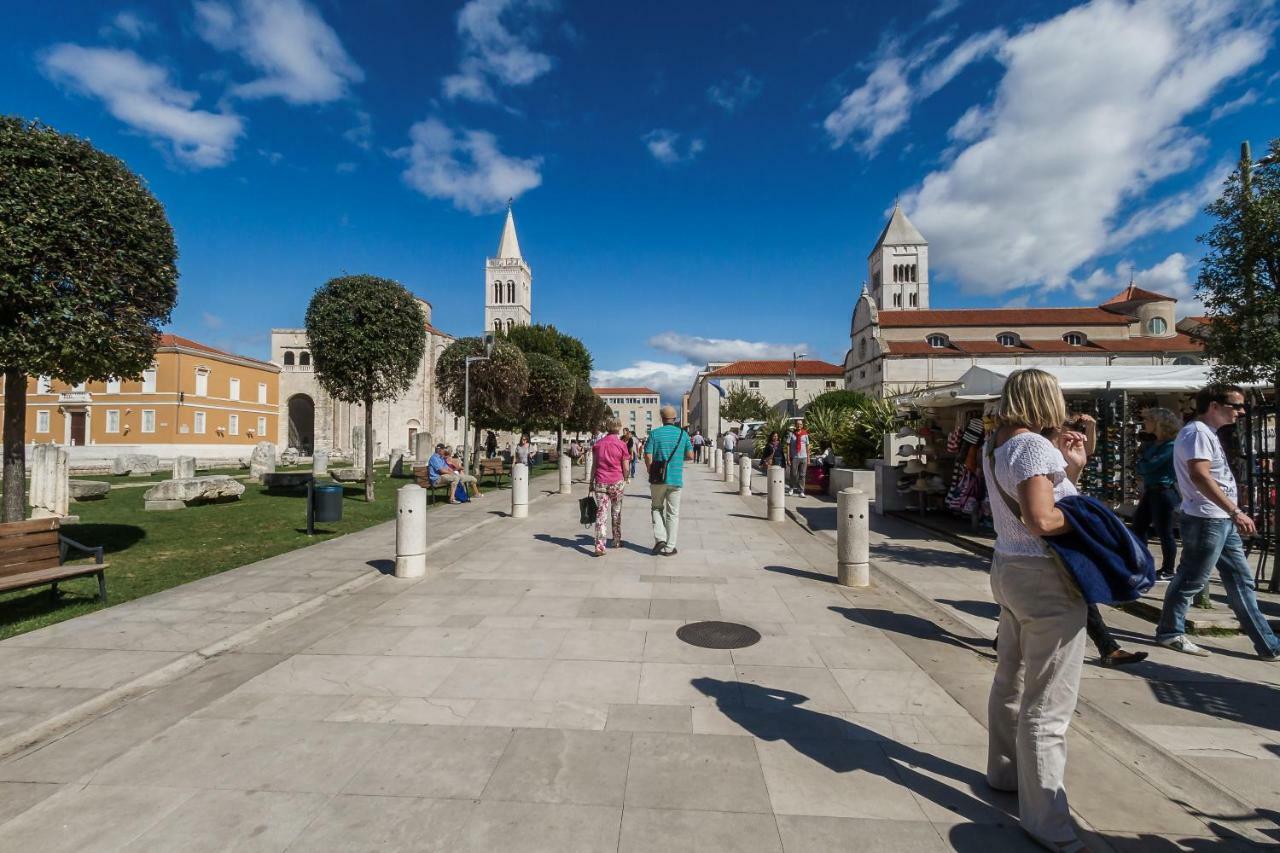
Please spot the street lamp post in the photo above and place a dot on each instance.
(795, 356)
(466, 398)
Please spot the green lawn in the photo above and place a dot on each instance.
(153, 551)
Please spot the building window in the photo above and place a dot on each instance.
(1075, 339)
(497, 327)
(42, 420)
(752, 383)
(1186, 359)
(791, 383)
(202, 382)
(304, 360)
(44, 385)
(149, 381)
(148, 420)
(914, 273)
(831, 383)
(511, 324)
(1157, 326)
(511, 291)
(497, 292)
(915, 301)
(897, 300)
(262, 427)
(233, 424)
(113, 420)
(233, 389)
(1007, 339)
(288, 358)
(198, 429)
(262, 392)
(875, 279)
(862, 350)
(937, 341)
(113, 386)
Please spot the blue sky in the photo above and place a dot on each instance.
(692, 180)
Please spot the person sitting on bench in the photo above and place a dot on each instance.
(442, 469)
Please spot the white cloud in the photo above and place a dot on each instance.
(361, 133)
(1171, 212)
(129, 25)
(731, 95)
(345, 168)
(1172, 277)
(493, 52)
(665, 146)
(881, 106)
(944, 8)
(1235, 105)
(669, 380)
(703, 350)
(465, 167)
(1086, 119)
(211, 321)
(139, 94)
(300, 56)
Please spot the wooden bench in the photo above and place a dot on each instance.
(32, 553)
(494, 467)
(421, 477)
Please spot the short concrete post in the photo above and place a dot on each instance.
(587, 459)
(777, 493)
(852, 540)
(566, 474)
(519, 490)
(411, 531)
(744, 476)
(726, 466)
(715, 459)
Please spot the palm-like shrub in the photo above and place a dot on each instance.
(775, 422)
(860, 437)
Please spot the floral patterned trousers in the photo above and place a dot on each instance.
(608, 505)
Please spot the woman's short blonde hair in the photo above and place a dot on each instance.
(1032, 399)
(1164, 423)
(613, 425)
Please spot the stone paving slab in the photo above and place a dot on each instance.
(527, 696)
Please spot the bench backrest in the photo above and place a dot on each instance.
(492, 465)
(27, 546)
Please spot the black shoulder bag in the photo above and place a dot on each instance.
(658, 470)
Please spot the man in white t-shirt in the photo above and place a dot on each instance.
(1211, 524)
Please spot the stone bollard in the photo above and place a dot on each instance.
(726, 466)
(715, 459)
(587, 459)
(852, 538)
(411, 531)
(566, 474)
(744, 476)
(519, 490)
(777, 493)
(319, 463)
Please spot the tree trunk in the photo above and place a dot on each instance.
(15, 459)
(368, 450)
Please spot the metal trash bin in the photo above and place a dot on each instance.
(328, 502)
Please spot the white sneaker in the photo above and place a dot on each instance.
(1181, 644)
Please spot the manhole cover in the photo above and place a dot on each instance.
(718, 635)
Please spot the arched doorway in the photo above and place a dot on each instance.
(302, 423)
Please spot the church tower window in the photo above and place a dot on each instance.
(511, 291)
(288, 359)
(913, 273)
(897, 300)
(497, 326)
(497, 292)
(914, 300)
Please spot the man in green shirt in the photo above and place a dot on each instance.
(667, 444)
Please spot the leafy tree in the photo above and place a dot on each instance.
(1239, 283)
(549, 397)
(548, 340)
(742, 404)
(589, 410)
(497, 385)
(88, 273)
(837, 399)
(367, 336)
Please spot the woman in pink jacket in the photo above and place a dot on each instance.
(610, 459)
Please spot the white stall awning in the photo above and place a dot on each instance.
(986, 383)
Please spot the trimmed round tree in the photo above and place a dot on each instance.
(497, 385)
(367, 336)
(589, 410)
(548, 340)
(549, 397)
(88, 273)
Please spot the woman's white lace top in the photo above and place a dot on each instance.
(1024, 456)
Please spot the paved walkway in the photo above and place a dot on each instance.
(526, 696)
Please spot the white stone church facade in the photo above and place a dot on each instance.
(310, 418)
(898, 344)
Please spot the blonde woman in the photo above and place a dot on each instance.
(609, 461)
(1160, 497)
(1030, 463)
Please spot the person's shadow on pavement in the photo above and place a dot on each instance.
(583, 543)
(845, 747)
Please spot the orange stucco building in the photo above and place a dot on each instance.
(195, 399)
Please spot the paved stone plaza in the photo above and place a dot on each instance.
(527, 696)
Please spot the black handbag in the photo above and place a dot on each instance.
(587, 510)
(658, 470)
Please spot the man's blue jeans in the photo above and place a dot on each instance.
(1209, 542)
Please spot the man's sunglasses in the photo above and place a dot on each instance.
(1239, 407)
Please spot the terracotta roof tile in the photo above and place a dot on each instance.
(804, 367)
(1011, 318)
(1137, 294)
(170, 340)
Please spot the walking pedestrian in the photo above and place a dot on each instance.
(1212, 525)
(1160, 497)
(668, 446)
(698, 442)
(775, 453)
(798, 446)
(731, 440)
(1042, 614)
(491, 445)
(524, 450)
(610, 458)
(629, 440)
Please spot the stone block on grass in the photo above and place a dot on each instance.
(88, 490)
(347, 475)
(138, 464)
(190, 491)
